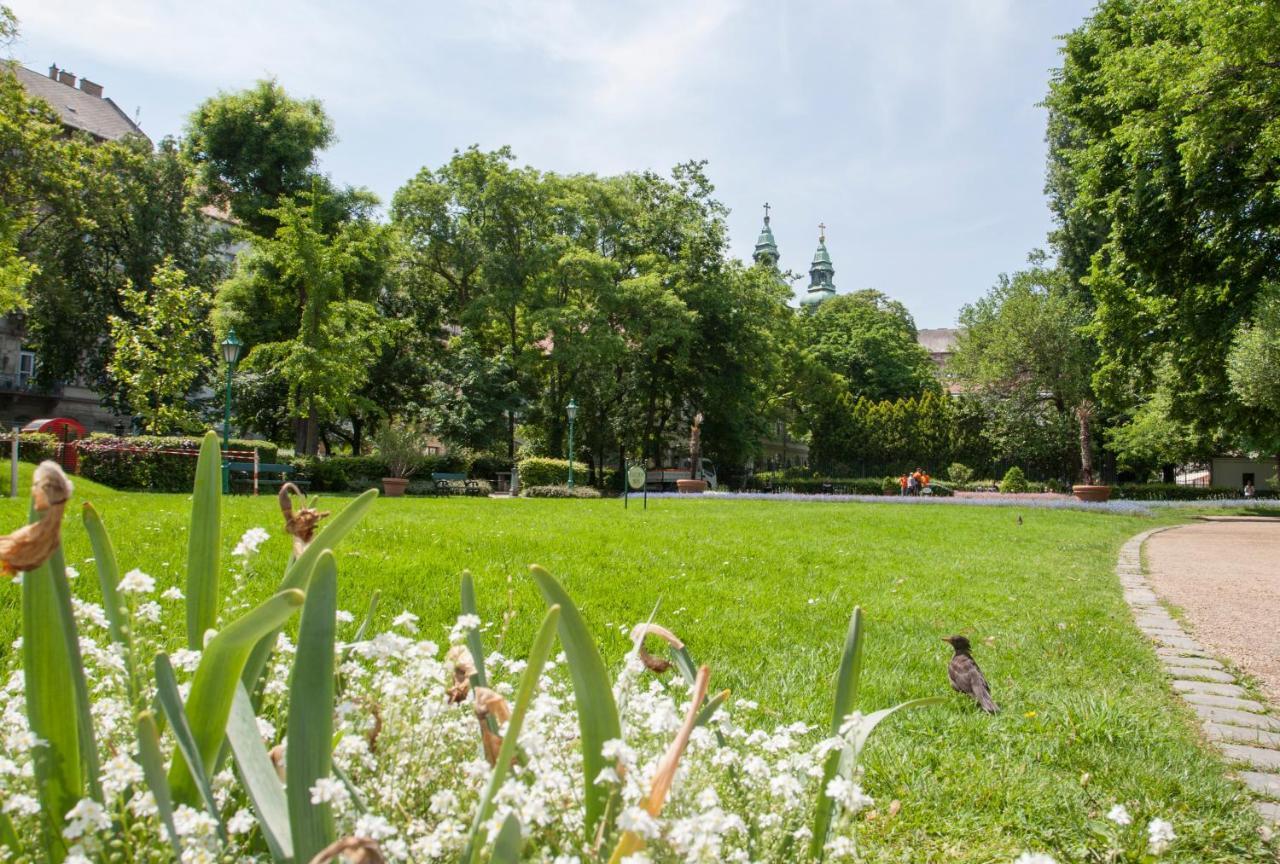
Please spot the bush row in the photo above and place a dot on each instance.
(779, 481)
(34, 447)
(139, 462)
(544, 471)
(1178, 492)
(559, 491)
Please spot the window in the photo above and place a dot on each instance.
(26, 368)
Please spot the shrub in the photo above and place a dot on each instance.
(959, 473)
(1178, 492)
(544, 471)
(33, 447)
(779, 481)
(358, 473)
(402, 447)
(487, 466)
(559, 491)
(151, 462)
(1014, 481)
(890, 485)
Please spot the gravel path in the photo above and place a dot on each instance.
(1225, 575)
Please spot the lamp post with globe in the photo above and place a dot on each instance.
(572, 411)
(231, 354)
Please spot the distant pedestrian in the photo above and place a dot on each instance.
(902, 484)
(1249, 491)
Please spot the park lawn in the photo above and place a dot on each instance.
(762, 591)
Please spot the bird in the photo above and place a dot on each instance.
(1019, 519)
(966, 677)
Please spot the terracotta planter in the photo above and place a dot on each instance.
(1092, 493)
(393, 487)
(692, 487)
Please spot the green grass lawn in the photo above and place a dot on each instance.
(762, 591)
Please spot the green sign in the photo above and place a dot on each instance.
(635, 477)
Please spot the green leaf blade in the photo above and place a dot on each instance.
(845, 699)
(598, 719)
(204, 543)
(104, 560)
(258, 776)
(311, 697)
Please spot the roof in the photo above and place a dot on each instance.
(821, 257)
(78, 110)
(938, 340)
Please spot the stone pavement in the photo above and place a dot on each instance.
(1240, 727)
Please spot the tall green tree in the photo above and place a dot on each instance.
(1253, 366)
(870, 341)
(1164, 137)
(161, 351)
(303, 300)
(256, 147)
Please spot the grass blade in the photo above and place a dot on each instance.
(846, 697)
(203, 546)
(104, 561)
(171, 703)
(311, 694)
(538, 655)
(597, 712)
(9, 837)
(153, 771)
(368, 617)
(51, 711)
(214, 685)
(708, 711)
(510, 842)
(474, 643)
(258, 776)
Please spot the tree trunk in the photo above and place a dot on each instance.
(1168, 473)
(1084, 413)
(357, 435)
(300, 436)
(312, 430)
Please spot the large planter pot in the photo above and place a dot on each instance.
(393, 487)
(1092, 493)
(692, 487)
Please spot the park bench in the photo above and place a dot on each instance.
(271, 476)
(455, 484)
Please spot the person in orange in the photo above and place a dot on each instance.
(902, 481)
(924, 479)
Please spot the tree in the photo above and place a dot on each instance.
(1025, 342)
(255, 148)
(1164, 144)
(1253, 366)
(302, 300)
(161, 351)
(870, 341)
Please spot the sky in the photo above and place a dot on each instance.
(910, 129)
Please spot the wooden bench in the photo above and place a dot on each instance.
(455, 484)
(271, 476)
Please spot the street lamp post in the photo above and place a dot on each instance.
(572, 411)
(231, 354)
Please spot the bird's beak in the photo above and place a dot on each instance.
(946, 638)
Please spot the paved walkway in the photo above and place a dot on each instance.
(1245, 730)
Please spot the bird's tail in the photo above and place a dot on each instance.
(988, 704)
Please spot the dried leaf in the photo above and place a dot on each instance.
(490, 704)
(276, 755)
(301, 525)
(353, 850)
(895, 807)
(31, 545)
(464, 666)
(654, 664)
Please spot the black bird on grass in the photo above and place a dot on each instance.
(965, 675)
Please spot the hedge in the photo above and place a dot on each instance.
(543, 471)
(137, 467)
(560, 491)
(33, 447)
(780, 482)
(358, 473)
(1178, 492)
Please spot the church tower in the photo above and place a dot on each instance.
(820, 272)
(766, 254)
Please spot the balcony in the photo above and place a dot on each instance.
(16, 384)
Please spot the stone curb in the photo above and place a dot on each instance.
(1239, 727)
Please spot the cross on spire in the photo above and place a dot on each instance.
(822, 233)
(766, 212)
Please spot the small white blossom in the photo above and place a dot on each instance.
(407, 620)
(639, 822)
(1120, 815)
(1159, 835)
(249, 542)
(136, 582)
(465, 624)
(1034, 858)
(241, 823)
(173, 593)
(328, 790)
(87, 817)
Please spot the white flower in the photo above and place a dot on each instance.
(637, 858)
(327, 790)
(639, 822)
(71, 572)
(148, 611)
(1159, 835)
(241, 823)
(85, 818)
(185, 659)
(466, 623)
(444, 801)
(23, 805)
(136, 582)
(1119, 815)
(189, 822)
(1034, 858)
(848, 795)
(120, 772)
(250, 541)
(407, 620)
(344, 617)
(174, 593)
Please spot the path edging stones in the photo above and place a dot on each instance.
(1238, 727)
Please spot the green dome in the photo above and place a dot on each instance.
(821, 257)
(766, 247)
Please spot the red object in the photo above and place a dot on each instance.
(67, 431)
